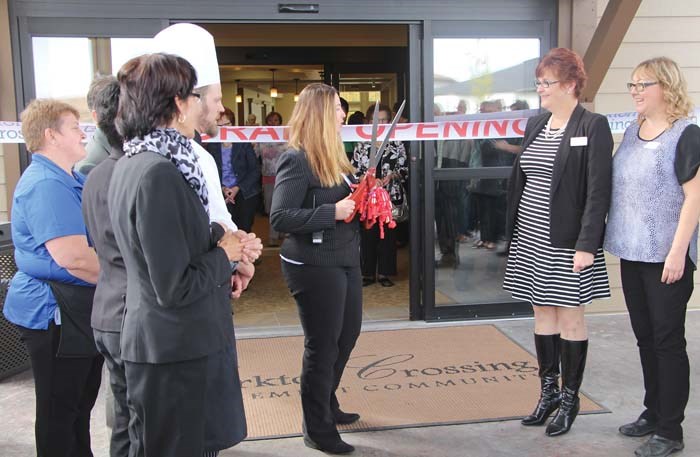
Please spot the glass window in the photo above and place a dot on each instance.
(484, 77)
(63, 70)
(470, 250)
(65, 67)
(124, 49)
(469, 72)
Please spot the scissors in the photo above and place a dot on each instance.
(376, 153)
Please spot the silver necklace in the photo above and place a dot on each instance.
(548, 135)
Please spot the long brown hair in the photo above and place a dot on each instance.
(312, 128)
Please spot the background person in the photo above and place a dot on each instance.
(653, 228)
(269, 154)
(379, 255)
(98, 147)
(321, 257)
(563, 176)
(51, 244)
(239, 171)
(177, 333)
(108, 305)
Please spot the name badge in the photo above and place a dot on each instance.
(579, 141)
(652, 145)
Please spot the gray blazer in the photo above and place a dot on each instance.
(178, 281)
(108, 305)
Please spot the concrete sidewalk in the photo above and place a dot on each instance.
(613, 377)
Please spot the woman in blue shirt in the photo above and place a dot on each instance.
(51, 244)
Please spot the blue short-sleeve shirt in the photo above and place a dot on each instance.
(46, 205)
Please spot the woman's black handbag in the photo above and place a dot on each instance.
(399, 212)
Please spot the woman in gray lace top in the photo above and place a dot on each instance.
(653, 228)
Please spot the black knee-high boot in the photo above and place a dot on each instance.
(547, 347)
(573, 363)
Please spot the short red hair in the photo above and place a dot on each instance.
(567, 65)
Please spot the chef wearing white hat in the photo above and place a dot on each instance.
(225, 423)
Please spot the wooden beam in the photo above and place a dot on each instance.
(606, 41)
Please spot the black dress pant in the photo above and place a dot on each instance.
(378, 255)
(329, 300)
(66, 390)
(167, 405)
(243, 212)
(108, 345)
(488, 217)
(657, 313)
(448, 195)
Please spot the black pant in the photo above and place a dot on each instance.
(329, 300)
(657, 312)
(376, 252)
(243, 212)
(448, 195)
(108, 345)
(66, 390)
(167, 405)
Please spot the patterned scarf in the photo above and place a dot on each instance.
(172, 145)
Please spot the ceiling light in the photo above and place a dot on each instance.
(273, 89)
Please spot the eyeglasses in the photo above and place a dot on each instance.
(639, 87)
(544, 83)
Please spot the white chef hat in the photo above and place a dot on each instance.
(194, 44)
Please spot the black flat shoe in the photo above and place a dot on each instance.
(336, 447)
(640, 427)
(658, 446)
(368, 281)
(344, 418)
(386, 282)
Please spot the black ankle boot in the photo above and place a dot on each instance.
(344, 418)
(547, 347)
(573, 363)
(331, 446)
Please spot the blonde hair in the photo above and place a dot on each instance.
(42, 114)
(673, 84)
(313, 129)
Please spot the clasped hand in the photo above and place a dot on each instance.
(241, 246)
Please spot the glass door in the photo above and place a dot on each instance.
(60, 57)
(478, 71)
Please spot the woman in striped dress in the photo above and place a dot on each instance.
(558, 197)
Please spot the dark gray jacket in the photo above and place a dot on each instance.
(579, 196)
(108, 306)
(178, 281)
(301, 206)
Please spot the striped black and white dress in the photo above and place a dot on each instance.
(536, 271)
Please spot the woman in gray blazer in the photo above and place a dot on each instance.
(177, 343)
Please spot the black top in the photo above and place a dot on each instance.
(687, 154)
(579, 197)
(178, 281)
(108, 306)
(301, 206)
(245, 165)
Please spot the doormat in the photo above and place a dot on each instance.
(398, 379)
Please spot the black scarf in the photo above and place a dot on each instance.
(175, 147)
